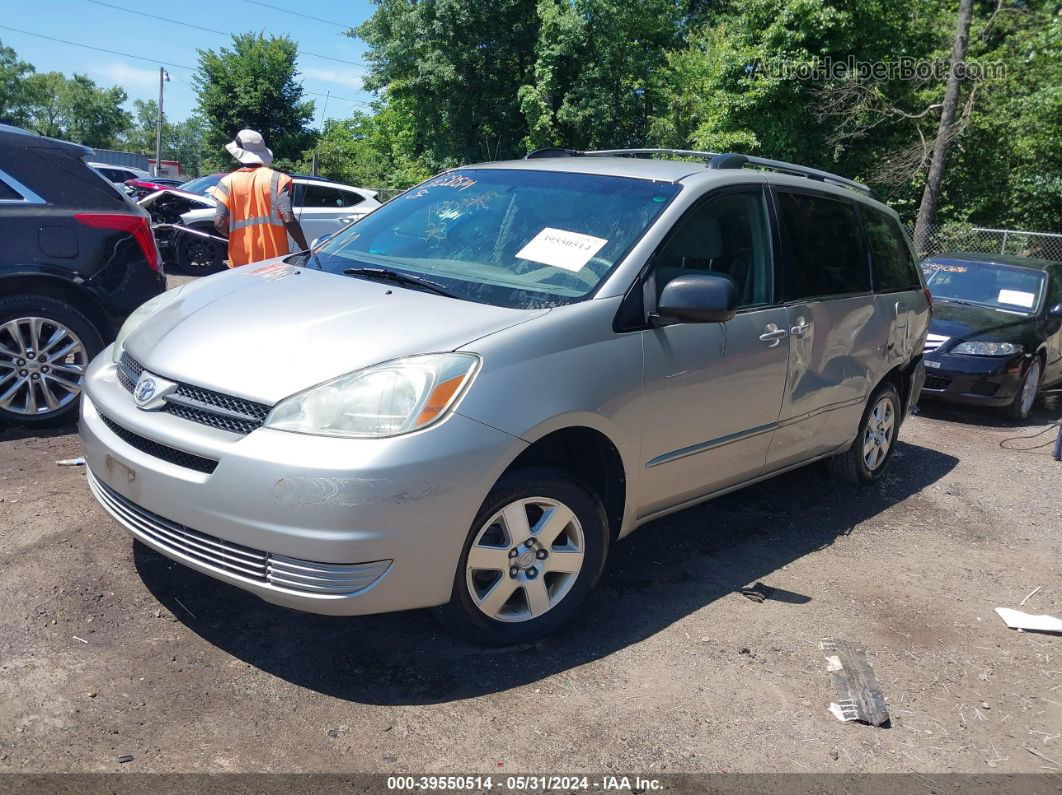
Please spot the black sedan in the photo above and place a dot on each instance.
(996, 334)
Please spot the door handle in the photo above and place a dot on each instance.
(772, 335)
(800, 329)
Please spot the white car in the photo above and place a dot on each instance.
(321, 206)
(119, 174)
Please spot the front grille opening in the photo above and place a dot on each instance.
(228, 557)
(159, 450)
(936, 382)
(205, 406)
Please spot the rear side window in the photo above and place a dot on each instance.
(320, 196)
(7, 193)
(826, 255)
(894, 263)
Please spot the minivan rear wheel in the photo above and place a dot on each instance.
(534, 551)
(45, 347)
(869, 456)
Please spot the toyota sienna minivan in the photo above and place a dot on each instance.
(462, 400)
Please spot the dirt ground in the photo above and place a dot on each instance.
(107, 649)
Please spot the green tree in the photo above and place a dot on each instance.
(450, 71)
(183, 140)
(253, 86)
(13, 73)
(75, 109)
(593, 81)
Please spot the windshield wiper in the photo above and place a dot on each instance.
(956, 301)
(383, 274)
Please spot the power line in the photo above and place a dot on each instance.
(98, 49)
(341, 99)
(297, 14)
(212, 30)
(156, 61)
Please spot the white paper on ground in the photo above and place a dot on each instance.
(1016, 298)
(1015, 619)
(561, 249)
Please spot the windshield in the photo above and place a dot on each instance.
(521, 239)
(984, 284)
(202, 185)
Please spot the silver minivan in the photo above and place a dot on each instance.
(464, 398)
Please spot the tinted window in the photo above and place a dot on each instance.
(1054, 286)
(7, 193)
(824, 244)
(894, 263)
(728, 235)
(321, 196)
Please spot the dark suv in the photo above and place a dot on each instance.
(77, 258)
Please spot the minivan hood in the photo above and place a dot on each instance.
(960, 321)
(267, 331)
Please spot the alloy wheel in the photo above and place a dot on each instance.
(1030, 387)
(525, 559)
(42, 365)
(879, 433)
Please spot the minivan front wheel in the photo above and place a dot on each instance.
(868, 457)
(532, 555)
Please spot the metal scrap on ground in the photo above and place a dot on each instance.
(858, 695)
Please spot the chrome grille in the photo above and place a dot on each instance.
(933, 341)
(197, 404)
(221, 555)
(227, 557)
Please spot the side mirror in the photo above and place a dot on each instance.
(697, 298)
(1055, 312)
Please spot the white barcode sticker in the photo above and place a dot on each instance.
(561, 249)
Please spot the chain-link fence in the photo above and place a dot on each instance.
(953, 237)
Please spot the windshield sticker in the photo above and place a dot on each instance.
(561, 249)
(936, 266)
(1017, 298)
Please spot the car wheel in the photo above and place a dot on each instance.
(199, 256)
(534, 551)
(868, 457)
(1025, 399)
(45, 347)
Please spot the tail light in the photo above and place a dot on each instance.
(135, 225)
(929, 298)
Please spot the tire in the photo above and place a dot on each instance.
(52, 397)
(521, 564)
(198, 256)
(869, 456)
(1025, 397)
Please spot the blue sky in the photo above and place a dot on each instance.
(102, 25)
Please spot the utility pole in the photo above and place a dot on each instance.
(163, 77)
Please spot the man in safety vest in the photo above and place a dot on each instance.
(254, 205)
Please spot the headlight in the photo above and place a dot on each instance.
(987, 348)
(140, 314)
(383, 400)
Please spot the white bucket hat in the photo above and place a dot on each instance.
(250, 149)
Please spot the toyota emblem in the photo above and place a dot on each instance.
(145, 390)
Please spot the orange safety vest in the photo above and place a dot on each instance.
(256, 230)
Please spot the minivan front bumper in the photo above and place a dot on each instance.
(325, 525)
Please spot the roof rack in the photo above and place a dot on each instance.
(716, 160)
